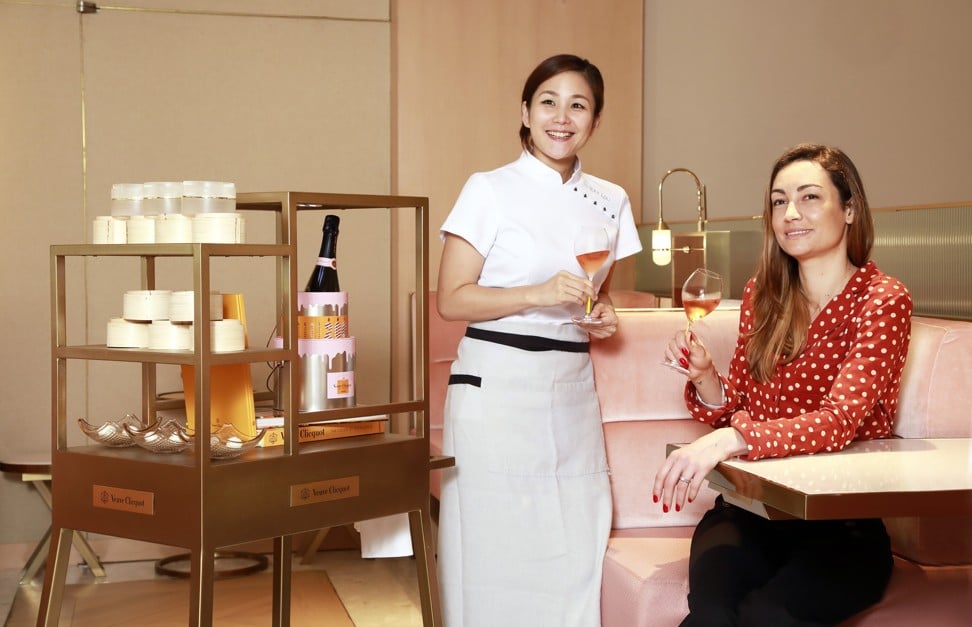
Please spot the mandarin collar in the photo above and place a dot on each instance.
(539, 170)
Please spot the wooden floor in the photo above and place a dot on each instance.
(369, 593)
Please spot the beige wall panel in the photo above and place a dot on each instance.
(459, 72)
(729, 85)
(40, 180)
(459, 75)
(269, 103)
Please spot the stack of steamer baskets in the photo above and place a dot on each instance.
(171, 212)
(326, 351)
(163, 320)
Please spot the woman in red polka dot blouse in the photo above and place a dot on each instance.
(823, 336)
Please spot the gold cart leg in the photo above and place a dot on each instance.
(314, 545)
(37, 558)
(90, 557)
(49, 613)
(421, 527)
(202, 572)
(282, 564)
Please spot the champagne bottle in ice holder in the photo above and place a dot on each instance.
(324, 277)
(325, 315)
(326, 349)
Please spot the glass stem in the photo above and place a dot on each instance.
(590, 302)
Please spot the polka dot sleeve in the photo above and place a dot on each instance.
(842, 387)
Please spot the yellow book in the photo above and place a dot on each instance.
(315, 432)
(230, 385)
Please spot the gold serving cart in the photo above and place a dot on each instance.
(189, 500)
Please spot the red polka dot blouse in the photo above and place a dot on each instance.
(842, 387)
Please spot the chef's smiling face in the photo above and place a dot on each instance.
(809, 217)
(561, 119)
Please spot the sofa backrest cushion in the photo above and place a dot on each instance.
(935, 402)
(632, 385)
(643, 411)
(935, 399)
(444, 336)
(630, 380)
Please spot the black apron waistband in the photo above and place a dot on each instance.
(527, 342)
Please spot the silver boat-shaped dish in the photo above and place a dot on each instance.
(112, 432)
(165, 436)
(227, 442)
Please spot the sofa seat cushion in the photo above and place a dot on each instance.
(645, 577)
(645, 584)
(921, 595)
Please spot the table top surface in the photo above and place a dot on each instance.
(873, 478)
(29, 462)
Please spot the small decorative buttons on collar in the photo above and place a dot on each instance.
(603, 206)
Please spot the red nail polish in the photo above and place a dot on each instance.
(685, 352)
(683, 361)
(689, 500)
(678, 508)
(654, 498)
(665, 508)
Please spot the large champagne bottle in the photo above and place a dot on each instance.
(324, 277)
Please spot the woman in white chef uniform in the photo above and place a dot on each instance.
(526, 512)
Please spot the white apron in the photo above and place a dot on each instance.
(526, 512)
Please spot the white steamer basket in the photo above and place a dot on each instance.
(162, 197)
(126, 334)
(141, 230)
(217, 228)
(163, 335)
(173, 228)
(182, 306)
(146, 305)
(208, 197)
(126, 199)
(109, 230)
(227, 335)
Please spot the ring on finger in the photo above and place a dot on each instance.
(685, 480)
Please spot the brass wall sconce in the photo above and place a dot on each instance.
(661, 235)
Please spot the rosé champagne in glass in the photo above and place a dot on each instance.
(592, 249)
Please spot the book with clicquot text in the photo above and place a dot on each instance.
(317, 431)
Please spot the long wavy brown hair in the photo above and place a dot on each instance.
(781, 311)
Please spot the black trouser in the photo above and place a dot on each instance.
(746, 570)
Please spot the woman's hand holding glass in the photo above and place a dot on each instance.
(695, 362)
(689, 354)
(567, 287)
(606, 321)
(563, 287)
(701, 294)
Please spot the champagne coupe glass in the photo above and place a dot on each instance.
(592, 248)
(701, 294)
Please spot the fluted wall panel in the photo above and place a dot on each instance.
(930, 250)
